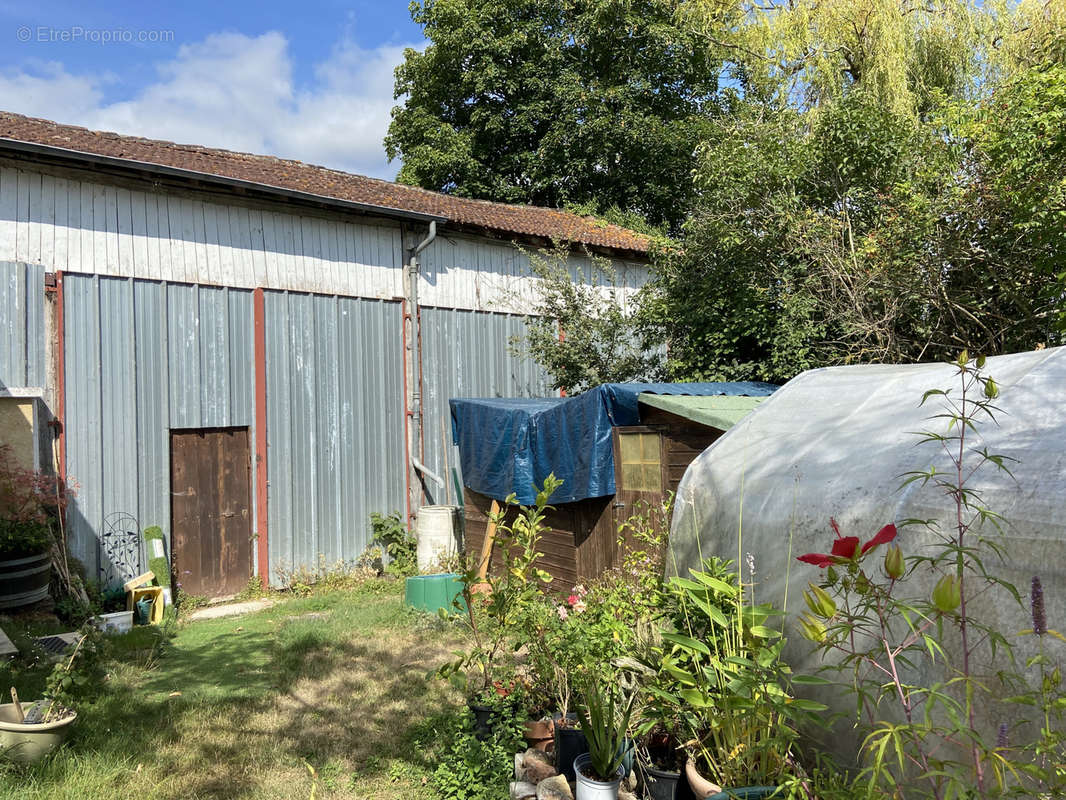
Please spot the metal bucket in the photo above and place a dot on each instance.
(25, 580)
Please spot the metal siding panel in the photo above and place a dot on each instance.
(22, 355)
(118, 431)
(153, 428)
(183, 355)
(82, 417)
(335, 424)
(214, 357)
(465, 354)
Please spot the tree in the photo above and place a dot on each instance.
(859, 204)
(585, 332)
(595, 103)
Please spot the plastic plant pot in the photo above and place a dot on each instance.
(30, 743)
(588, 788)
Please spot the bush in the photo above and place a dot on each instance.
(29, 504)
(472, 769)
(391, 533)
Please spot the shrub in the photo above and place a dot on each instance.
(390, 533)
(29, 505)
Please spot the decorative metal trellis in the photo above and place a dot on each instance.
(121, 549)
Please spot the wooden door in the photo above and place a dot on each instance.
(210, 510)
(640, 475)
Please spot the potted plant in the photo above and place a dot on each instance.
(487, 669)
(29, 731)
(721, 676)
(29, 504)
(605, 722)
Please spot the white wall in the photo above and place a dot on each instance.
(78, 225)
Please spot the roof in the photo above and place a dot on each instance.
(296, 176)
(721, 411)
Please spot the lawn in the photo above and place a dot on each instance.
(324, 696)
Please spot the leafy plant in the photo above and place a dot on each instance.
(493, 617)
(720, 678)
(473, 768)
(605, 723)
(29, 507)
(877, 626)
(390, 532)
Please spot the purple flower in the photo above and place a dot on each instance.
(1036, 597)
(1001, 736)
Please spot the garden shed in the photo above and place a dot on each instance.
(838, 442)
(617, 448)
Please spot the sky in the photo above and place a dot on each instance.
(310, 80)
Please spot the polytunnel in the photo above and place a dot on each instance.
(838, 442)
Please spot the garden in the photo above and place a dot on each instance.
(656, 679)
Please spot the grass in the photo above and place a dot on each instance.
(323, 696)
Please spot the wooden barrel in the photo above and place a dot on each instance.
(24, 580)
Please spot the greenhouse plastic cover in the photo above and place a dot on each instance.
(837, 442)
(511, 445)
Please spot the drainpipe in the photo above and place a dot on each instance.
(414, 371)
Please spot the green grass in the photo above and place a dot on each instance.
(328, 692)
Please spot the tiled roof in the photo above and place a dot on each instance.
(281, 173)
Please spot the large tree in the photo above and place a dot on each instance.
(591, 103)
(878, 193)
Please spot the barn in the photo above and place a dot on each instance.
(252, 353)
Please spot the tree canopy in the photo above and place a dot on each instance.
(591, 103)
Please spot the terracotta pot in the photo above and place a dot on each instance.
(540, 734)
(700, 786)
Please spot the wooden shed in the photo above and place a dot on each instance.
(644, 455)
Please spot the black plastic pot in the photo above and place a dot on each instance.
(484, 718)
(570, 742)
(661, 784)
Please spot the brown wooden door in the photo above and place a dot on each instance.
(640, 475)
(210, 510)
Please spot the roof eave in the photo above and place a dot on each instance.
(130, 165)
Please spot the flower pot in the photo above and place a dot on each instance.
(24, 580)
(661, 784)
(570, 742)
(483, 719)
(30, 743)
(540, 734)
(700, 787)
(703, 789)
(588, 787)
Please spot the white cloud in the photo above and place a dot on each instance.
(236, 92)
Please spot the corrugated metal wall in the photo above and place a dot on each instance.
(335, 423)
(142, 357)
(22, 357)
(466, 354)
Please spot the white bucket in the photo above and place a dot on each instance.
(436, 534)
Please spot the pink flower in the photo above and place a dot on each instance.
(579, 606)
(562, 612)
(573, 599)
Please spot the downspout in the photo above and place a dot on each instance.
(414, 361)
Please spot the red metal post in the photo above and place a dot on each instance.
(61, 381)
(261, 493)
(406, 417)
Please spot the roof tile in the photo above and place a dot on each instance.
(295, 175)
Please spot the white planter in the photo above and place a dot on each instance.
(588, 789)
(115, 622)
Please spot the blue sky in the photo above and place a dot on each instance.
(309, 80)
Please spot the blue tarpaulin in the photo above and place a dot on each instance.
(510, 445)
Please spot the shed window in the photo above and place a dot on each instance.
(641, 462)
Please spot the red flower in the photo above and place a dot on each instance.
(846, 548)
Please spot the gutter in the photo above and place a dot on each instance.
(414, 367)
(63, 154)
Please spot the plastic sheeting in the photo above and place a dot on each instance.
(836, 442)
(508, 445)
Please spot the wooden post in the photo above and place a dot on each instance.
(486, 546)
